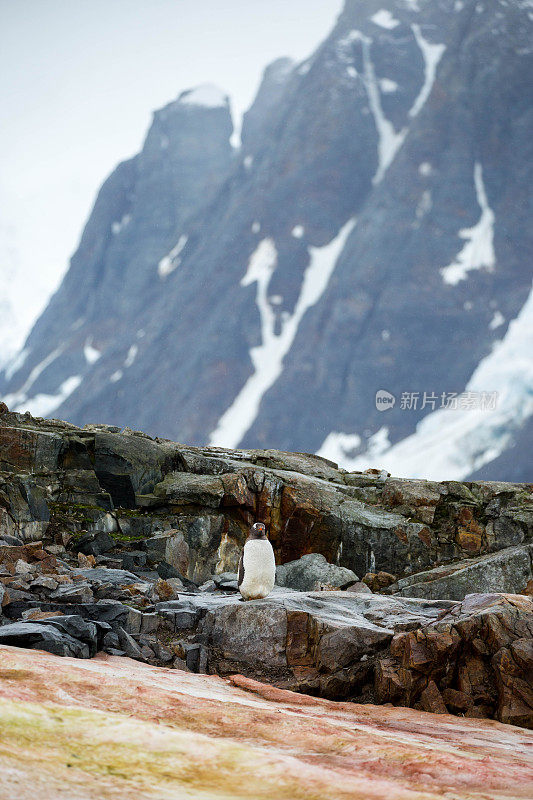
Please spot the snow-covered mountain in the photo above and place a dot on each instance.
(354, 281)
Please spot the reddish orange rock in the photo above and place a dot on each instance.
(431, 699)
(111, 728)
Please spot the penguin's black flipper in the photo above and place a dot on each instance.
(241, 569)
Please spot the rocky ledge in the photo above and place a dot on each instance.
(397, 591)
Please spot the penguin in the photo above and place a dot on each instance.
(257, 566)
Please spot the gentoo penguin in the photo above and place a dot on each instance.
(257, 567)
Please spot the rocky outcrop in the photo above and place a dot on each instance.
(477, 659)
(509, 570)
(113, 727)
(97, 487)
(473, 657)
(138, 546)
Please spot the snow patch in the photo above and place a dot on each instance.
(13, 400)
(497, 320)
(387, 86)
(256, 227)
(207, 95)
(389, 142)
(16, 364)
(298, 231)
(248, 161)
(384, 19)
(267, 358)
(424, 206)
(172, 260)
(91, 353)
(478, 252)
(432, 54)
(449, 444)
(338, 447)
(116, 376)
(43, 405)
(132, 355)
(425, 169)
(117, 226)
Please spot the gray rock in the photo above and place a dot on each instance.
(133, 621)
(165, 570)
(171, 547)
(73, 593)
(129, 645)
(196, 657)
(114, 577)
(40, 636)
(508, 570)
(94, 544)
(208, 586)
(182, 614)
(133, 559)
(359, 588)
(111, 642)
(179, 487)
(76, 627)
(227, 581)
(149, 623)
(44, 582)
(162, 652)
(10, 540)
(310, 572)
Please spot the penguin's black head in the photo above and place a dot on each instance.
(258, 531)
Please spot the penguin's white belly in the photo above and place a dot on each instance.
(259, 569)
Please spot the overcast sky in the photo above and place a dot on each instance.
(78, 82)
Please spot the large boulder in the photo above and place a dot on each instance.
(508, 570)
(312, 572)
(318, 641)
(471, 657)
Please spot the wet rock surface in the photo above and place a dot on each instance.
(113, 541)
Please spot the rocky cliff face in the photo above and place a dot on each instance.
(372, 233)
(111, 540)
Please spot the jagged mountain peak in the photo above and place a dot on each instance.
(372, 234)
